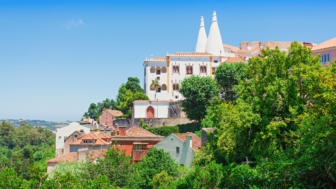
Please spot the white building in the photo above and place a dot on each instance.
(64, 132)
(173, 68)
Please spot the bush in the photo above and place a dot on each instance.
(183, 128)
(38, 156)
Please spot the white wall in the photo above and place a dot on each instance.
(66, 131)
(182, 62)
(160, 109)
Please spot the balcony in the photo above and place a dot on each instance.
(137, 154)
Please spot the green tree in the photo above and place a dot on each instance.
(133, 84)
(197, 91)
(7, 133)
(162, 180)
(154, 163)
(129, 97)
(227, 76)
(115, 165)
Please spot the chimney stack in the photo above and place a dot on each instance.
(189, 141)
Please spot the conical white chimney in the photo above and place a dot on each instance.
(214, 43)
(202, 38)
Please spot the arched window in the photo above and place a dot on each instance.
(152, 69)
(164, 87)
(189, 70)
(150, 112)
(164, 69)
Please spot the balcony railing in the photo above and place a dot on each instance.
(137, 154)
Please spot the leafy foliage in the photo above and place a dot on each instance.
(197, 91)
(127, 93)
(182, 128)
(154, 163)
(227, 76)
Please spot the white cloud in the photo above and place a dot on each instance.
(74, 24)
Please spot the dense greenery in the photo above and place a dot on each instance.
(182, 128)
(197, 91)
(51, 125)
(25, 149)
(277, 132)
(227, 76)
(127, 93)
(283, 120)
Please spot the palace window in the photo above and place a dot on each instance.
(189, 70)
(176, 69)
(175, 87)
(203, 69)
(216, 61)
(158, 72)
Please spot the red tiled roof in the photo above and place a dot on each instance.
(70, 157)
(196, 141)
(325, 45)
(249, 51)
(92, 136)
(233, 60)
(192, 54)
(96, 154)
(115, 112)
(136, 131)
(232, 48)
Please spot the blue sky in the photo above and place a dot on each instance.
(58, 56)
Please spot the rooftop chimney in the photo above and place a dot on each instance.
(202, 38)
(189, 141)
(122, 130)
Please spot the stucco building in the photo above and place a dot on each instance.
(135, 141)
(108, 115)
(64, 132)
(327, 50)
(181, 147)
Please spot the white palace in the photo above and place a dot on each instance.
(172, 69)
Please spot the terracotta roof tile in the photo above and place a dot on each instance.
(192, 54)
(327, 44)
(115, 112)
(136, 131)
(279, 44)
(196, 141)
(91, 136)
(233, 60)
(70, 157)
(249, 51)
(232, 48)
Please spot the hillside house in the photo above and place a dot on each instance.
(181, 147)
(135, 141)
(108, 115)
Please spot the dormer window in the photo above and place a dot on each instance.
(88, 141)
